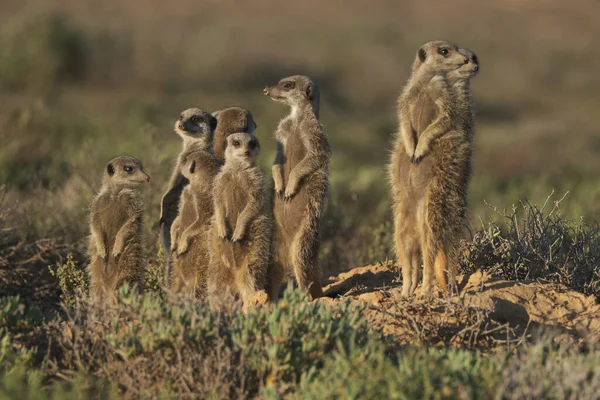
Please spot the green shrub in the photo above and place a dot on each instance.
(72, 279)
(415, 373)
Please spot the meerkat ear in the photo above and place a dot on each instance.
(213, 123)
(310, 92)
(422, 54)
(193, 167)
(216, 113)
(110, 169)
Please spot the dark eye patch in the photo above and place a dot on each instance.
(443, 51)
(128, 168)
(236, 143)
(289, 85)
(197, 120)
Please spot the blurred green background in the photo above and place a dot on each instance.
(83, 81)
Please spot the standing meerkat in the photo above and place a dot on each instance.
(196, 127)
(301, 178)
(189, 232)
(427, 111)
(116, 228)
(241, 229)
(229, 121)
(450, 170)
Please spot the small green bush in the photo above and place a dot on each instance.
(72, 279)
(536, 243)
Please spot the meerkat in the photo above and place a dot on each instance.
(241, 228)
(451, 173)
(196, 127)
(229, 121)
(189, 232)
(301, 183)
(427, 112)
(116, 228)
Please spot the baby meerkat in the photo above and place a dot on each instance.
(189, 232)
(241, 229)
(301, 178)
(426, 193)
(229, 121)
(196, 127)
(116, 228)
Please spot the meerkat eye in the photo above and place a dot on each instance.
(128, 169)
(289, 85)
(236, 143)
(444, 52)
(196, 120)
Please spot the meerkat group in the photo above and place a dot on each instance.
(224, 234)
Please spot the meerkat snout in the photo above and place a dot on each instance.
(266, 91)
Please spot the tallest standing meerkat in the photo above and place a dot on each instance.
(423, 183)
(301, 178)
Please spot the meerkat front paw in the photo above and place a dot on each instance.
(238, 235)
(183, 246)
(222, 232)
(291, 190)
(420, 152)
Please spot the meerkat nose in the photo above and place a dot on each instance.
(266, 91)
(147, 178)
(246, 153)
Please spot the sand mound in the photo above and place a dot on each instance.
(488, 311)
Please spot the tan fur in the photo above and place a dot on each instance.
(301, 179)
(229, 121)
(429, 168)
(241, 227)
(116, 227)
(196, 127)
(189, 248)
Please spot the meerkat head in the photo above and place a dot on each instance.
(438, 57)
(465, 71)
(195, 124)
(235, 119)
(295, 91)
(124, 171)
(242, 147)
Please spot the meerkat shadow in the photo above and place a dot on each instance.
(365, 282)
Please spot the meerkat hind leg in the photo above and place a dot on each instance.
(304, 262)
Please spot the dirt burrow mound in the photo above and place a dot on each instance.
(488, 312)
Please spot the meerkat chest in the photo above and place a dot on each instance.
(112, 215)
(295, 151)
(236, 194)
(423, 111)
